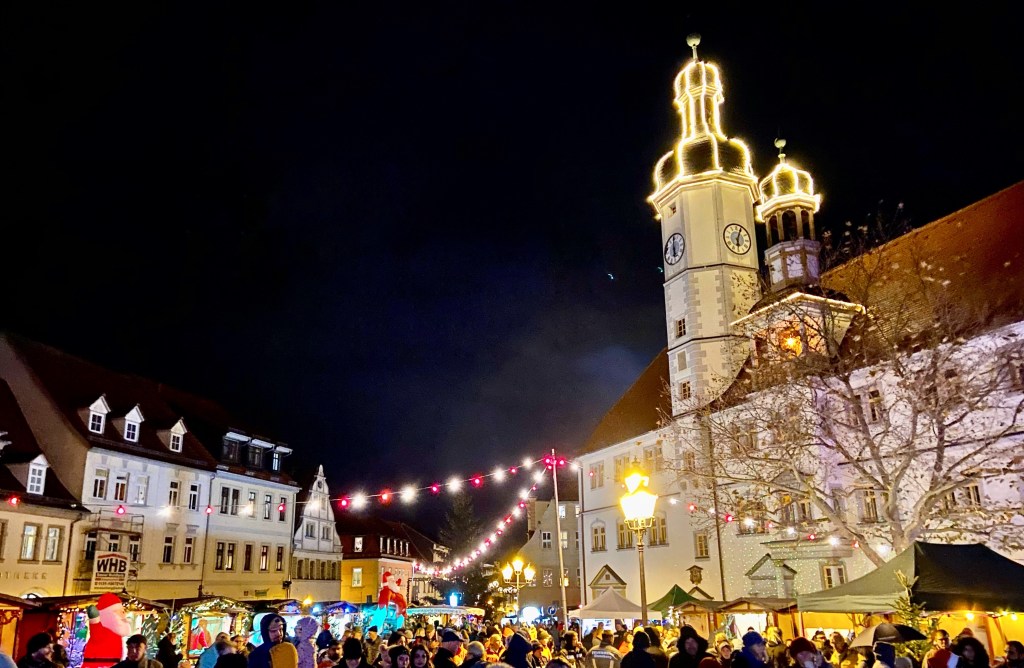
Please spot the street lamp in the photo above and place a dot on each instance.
(638, 507)
(517, 575)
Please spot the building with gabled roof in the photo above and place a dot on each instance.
(198, 502)
(316, 556)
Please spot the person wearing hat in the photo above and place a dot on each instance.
(474, 654)
(40, 649)
(352, 654)
(639, 657)
(604, 655)
(135, 655)
(753, 654)
(693, 651)
(371, 644)
(723, 651)
(775, 648)
(451, 644)
(517, 654)
(805, 654)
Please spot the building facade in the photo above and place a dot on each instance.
(541, 549)
(139, 457)
(316, 560)
(742, 338)
(375, 552)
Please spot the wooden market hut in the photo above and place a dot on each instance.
(12, 610)
(200, 619)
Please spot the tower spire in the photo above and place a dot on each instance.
(692, 40)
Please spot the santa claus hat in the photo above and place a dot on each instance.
(107, 600)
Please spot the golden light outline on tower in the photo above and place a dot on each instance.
(778, 194)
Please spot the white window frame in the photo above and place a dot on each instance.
(680, 328)
(174, 493)
(176, 442)
(167, 557)
(30, 534)
(685, 391)
(131, 431)
(564, 539)
(598, 537)
(141, 490)
(701, 545)
(357, 577)
(54, 540)
(100, 480)
(357, 544)
(121, 487)
(36, 479)
(188, 552)
(194, 492)
(97, 422)
(134, 548)
(833, 575)
(545, 540)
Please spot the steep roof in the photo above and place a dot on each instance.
(421, 544)
(638, 411)
(22, 448)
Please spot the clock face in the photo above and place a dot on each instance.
(737, 239)
(674, 248)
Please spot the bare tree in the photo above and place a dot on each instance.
(882, 408)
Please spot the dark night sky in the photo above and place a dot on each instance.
(384, 230)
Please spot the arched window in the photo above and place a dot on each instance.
(789, 226)
(298, 570)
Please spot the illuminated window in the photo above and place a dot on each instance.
(268, 501)
(790, 342)
(264, 557)
(545, 540)
(561, 511)
(279, 562)
(597, 538)
(29, 542)
(564, 540)
(54, 538)
(357, 544)
(357, 577)
(141, 489)
(229, 559)
(275, 461)
(701, 546)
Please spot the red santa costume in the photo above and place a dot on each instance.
(108, 627)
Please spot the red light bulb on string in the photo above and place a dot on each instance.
(14, 501)
(385, 496)
(561, 461)
(513, 470)
(120, 510)
(522, 504)
(435, 488)
(280, 507)
(345, 502)
(728, 517)
(209, 510)
(476, 481)
(692, 507)
(811, 536)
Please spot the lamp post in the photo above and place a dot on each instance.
(518, 575)
(638, 507)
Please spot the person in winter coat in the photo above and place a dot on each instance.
(723, 652)
(135, 656)
(40, 649)
(806, 654)
(639, 657)
(451, 646)
(167, 651)
(656, 650)
(208, 659)
(352, 654)
(775, 648)
(604, 655)
(693, 651)
(971, 652)
(272, 628)
(843, 656)
(753, 654)
(519, 647)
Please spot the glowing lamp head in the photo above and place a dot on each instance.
(385, 496)
(506, 572)
(307, 601)
(529, 573)
(517, 564)
(477, 481)
(435, 488)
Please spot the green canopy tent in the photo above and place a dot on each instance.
(673, 599)
(948, 578)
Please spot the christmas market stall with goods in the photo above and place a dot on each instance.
(92, 627)
(967, 586)
(197, 621)
(12, 609)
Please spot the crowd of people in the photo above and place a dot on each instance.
(536, 646)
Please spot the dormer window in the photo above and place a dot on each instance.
(275, 464)
(131, 424)
(176, 438)
(98, 415)
(36, 479)
(176, 442)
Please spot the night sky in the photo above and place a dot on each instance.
(386, 232)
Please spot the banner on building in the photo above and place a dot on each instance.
(109, 572)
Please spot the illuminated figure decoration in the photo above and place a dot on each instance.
(305, 629)
(108, 627)
(390, 594)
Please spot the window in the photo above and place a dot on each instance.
(90, 545)
(874, 412)
(141, 489)
(36, 479)
(564, 541)
(172, 493)
(577, 541)
(267, 501)
(833, 575)
(229, 560)
(625, 536)
(561, 511)
(689, 462)
(275, 461)
(545, 540)
(264, 557)
(99, 484)
(299, 566)
(804, 509)
(870, 505)
(225, 500)
(653, 460)
(168, 554)
(971, 495)
(357, 577)
(680, 328)
(325, 532)
(597, 538)
(547, 577)
(685, 391)
(131, 431)
(701, 546)
(187, 552)
(282, 510)
(176, 442)
(193, 496)
(255, 456)
(621, 466)
(597, 475)
(114, 542)
(659, 530)
(230, 450)
(236, 497)
(134, 548)
(29, 541)
(121, 487)
(96, 422)
(279, 562)
(357, 544)
(218, 562)
(247, 557)
(54, 536)
(250, 508)
(310, 530)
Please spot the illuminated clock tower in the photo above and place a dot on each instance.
(704, 195)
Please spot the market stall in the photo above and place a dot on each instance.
(965, 586)
(699, 614)
(197, 621)
(67, 619)
(608, 607)
(735, 617)
(12, 609)
(444, 615)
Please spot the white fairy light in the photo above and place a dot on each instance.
(408, 494)
(527, 463)
(538, 476)
(454, 484)
(791, 531)
(498, 475)
(833, 541)
(524, 493)
(359, 500)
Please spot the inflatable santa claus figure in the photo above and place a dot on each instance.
(391, 592)
(108, 627)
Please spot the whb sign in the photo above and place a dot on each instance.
(109, 572)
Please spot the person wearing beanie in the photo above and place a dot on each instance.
(517, 652)
(639, 657)
(753, 654)
(723, 651)
(693, 650)
(474, 654)
(39, 651)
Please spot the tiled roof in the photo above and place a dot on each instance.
(638, 411)
(23, 448)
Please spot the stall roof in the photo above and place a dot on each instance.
(674, 598)
(8, 601)
(227, 604)
(611, 605)
(753, 603)
(85, 600)
(445, 610)
(948, 578)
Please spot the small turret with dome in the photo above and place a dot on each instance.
(787, 209)
(703, 149)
